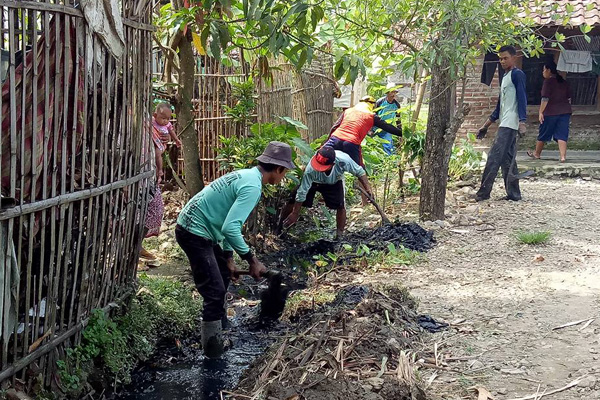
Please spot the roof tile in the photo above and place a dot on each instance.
(582, 13)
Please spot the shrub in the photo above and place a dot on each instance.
(534, 237)
(464, 159)
(163, 308)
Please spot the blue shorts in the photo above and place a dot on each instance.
(555, 127)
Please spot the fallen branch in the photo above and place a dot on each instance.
(573, 323)
(586, 324)
(225, 392)
(537, 396)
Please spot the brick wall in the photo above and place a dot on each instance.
(482, 99)
(585, 124)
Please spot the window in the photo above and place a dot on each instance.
(584, 87)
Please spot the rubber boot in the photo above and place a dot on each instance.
(212, 339)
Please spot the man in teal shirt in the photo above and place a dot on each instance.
(325, 174)
(209, 230)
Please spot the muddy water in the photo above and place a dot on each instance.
(196, 377)
(183, 373)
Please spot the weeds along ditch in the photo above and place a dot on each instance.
(151, 350)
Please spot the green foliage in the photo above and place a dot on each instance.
(172, 303)
(533, 237)
(163, 308)
(464, 159)
(243, 94)
(391, 257)
(241, 152)
(413, 140)
(264, 29)
(103, 338)
(72, 372)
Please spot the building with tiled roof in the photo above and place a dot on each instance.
(550, 13)
(566, 17)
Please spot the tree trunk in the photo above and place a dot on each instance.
(438, 145)
(185, 117)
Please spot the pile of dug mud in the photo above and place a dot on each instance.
(358, 348)
(408, 235)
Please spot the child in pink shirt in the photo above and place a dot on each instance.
(162, 133)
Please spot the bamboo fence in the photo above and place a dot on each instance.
(213, 91)
(306, 97)
(75, 174)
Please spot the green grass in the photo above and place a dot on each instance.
(114, 344)
(533, 237)
(303, 301)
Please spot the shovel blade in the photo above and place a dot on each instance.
(525, 174)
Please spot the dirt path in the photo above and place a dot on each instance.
(509, 303)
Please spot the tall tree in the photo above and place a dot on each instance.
(256, 30)
(444, 37)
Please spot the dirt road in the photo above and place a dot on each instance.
(509, 303)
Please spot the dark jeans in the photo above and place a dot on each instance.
(501, 156)
(209, 267)
(352, 149)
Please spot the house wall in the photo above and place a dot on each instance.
(482, 99)
(585, 122)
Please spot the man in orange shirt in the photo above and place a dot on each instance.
(353, 126)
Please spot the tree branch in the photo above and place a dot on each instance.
(400, 40)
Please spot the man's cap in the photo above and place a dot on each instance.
(277, 153)
(391, 87)
(367, 99)
(324, 159)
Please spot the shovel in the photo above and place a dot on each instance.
(384, 217)
(272, 299)
(514, 160)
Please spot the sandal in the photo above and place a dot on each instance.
(532, 155)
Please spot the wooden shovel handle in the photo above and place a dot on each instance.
(384, 217)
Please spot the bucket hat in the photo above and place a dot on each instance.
(277, 153)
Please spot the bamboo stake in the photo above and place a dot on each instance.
(37, 298)
(118, 105)
(63, 229)
(142, 142)
(78, 265)
(13, 152)
(96, 174)
(68, 254)
(54, 258)
(98, 270)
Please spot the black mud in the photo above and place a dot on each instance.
(180, 371)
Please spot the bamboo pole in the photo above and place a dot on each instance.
(121, 254)
(145, 137)
(78, 264)
(104, 207)
(70, 206)
(95, 179)
(13, 149)
(64, 230)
